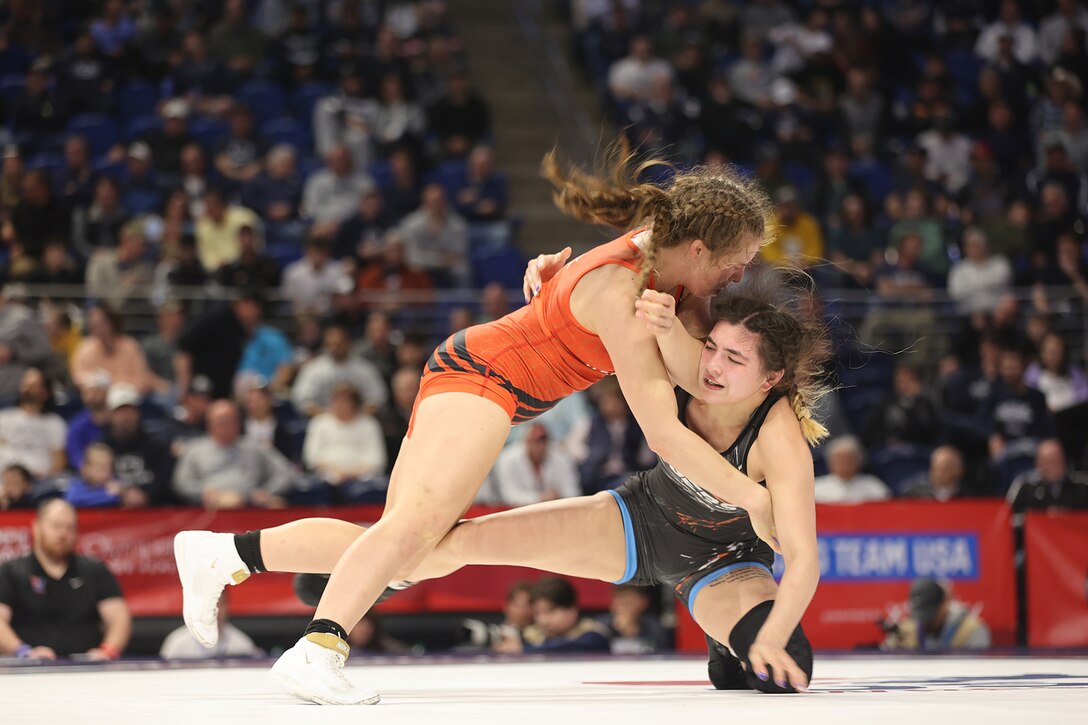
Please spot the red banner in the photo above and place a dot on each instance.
(870, 553)
(1057, 579)
(137, 546)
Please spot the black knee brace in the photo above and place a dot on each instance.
(744, 634)
(724, 669)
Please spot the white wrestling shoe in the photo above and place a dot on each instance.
(207, 562)
(313, 670)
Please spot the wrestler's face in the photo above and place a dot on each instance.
(730, 367)
(709, 272)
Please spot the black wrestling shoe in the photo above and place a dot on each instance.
(724, 669)
(310, 587)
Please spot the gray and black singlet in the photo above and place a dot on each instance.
(678, 533)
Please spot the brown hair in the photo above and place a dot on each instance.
(791, 338)
(714, 204)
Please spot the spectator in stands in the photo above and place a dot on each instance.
(233, 642)
(263, 427)
(534, 470)
(238, 157)
(332, 193)
(196, 178)
(918, 219)
(114, 31)
(275, 192)
(119, 275)
(945, 479)
(979, 280)
(368, 636)
(1056, 377)
(98, 226)
(633, 629)
(23, 344)
(558, 625)
(223, 472)
(397, 119)
(360, 235)
(845, 482)
(397, 411)
(141, 193)
(1057, 167)
(391, 273)
(86, 78)
(907, 416)
(53, 579)
(159, 348)
(58, 266)
(344, 447)
(234, 41)
(310, 283)
(436, 239)
(899, 316)
(35, 220)
(1068, 15)
(1050, 484)
(948, 154)
(632, 77)
(88, 425)
(15, 485)
(799, 45)
(203, 78)
(141, 463)
(213, 343)
(936, 622)
(267, 357)
(40, 112)
(312, 391)
(1074, 134)
(799, 240)
(64, 335)
(401, 194)
(751, 76)
(31, 434)
(75, 182)
(725, 121)
(494, 303)
(11, 180)
(157, 42)
(460, 119)
(861, 107)
(250, 269)
(482, 197)
(1016, 414)
(95, 486)
(610, 443)
(166, 144)
(218, 229)
(855, 247)
(377, 345)
(1008, 24)
(345, 120)
(108, 348)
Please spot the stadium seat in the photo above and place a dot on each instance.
(306, 97)
(897, 464)
(142, 126)
(264, 99)
(137, 99)
(208, 131)
(100, 132)
(12, 88)
(288, 131)
(505, 265)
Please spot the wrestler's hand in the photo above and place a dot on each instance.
(657, 309)
(769, 660)
(540, 269)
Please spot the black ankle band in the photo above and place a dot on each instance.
(249, 548)
(326, 626)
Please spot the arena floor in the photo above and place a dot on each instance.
(856, 689)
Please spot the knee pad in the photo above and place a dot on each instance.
(723, 668)
(744, 634)
(310, 587)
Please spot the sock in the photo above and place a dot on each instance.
(328, 634)
(249, 548)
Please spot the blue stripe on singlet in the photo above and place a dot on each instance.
(629, 539)
(717, 574)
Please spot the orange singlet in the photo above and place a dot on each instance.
(533, 357)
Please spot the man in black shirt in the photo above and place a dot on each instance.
(213, 344)
(54, 603)
(1051, 484)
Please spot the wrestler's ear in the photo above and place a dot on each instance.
(772, 380)
(697, 248)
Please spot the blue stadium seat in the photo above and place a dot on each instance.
(208, 131)
(12, 88)
(51, 163)
(137, 99)
(100, 131)
(288, 131)
(897, 464)
(505, 265)
(264, 99)
(142, 126)
(877, 180)
(382, 174)
(306, 97)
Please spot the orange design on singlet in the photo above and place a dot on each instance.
(533, 357)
